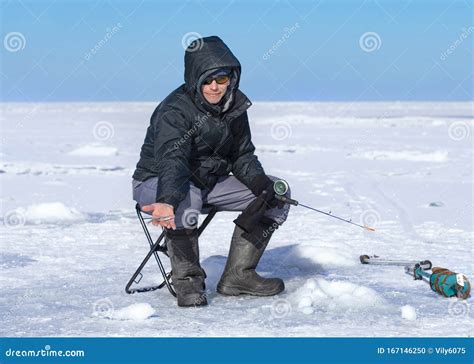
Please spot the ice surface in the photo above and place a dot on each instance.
(319, 255)
(70, 238)
(440, 156)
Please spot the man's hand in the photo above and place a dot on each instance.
(162, 215)
(263, 183)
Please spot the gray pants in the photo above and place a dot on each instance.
(229, 194)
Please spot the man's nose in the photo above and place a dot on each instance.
(214, 85)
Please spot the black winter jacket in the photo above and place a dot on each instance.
(190, 139)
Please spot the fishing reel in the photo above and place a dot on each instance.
(281, 187)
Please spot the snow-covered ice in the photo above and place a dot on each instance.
(439, 156)
(308, 255)
(70, 239)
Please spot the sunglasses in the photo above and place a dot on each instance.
(219, 79)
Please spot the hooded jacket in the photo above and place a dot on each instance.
(189, 139)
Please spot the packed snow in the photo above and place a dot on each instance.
(337, 297)
(47, 213)
(134, 312)
(70, 239)
(94, 150)
(408, 312)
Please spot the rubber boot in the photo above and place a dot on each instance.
(187, 275)
(239, 275)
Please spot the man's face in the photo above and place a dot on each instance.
(215, 90)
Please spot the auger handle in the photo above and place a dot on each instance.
(426, 264)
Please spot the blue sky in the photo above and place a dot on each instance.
(318, 53)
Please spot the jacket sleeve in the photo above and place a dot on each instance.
(245, 164)
(172, 151)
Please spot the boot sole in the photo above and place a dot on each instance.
(193, 301)
(237, 291)
(192, 305)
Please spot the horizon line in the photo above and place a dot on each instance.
(253, 101)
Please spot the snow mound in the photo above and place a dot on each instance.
(336, 296)
(135, 312)
(50, 213)
(408, 312)
(94, 150)
(440, 156)
(307, 256)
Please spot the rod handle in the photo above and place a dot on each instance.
(287, 200)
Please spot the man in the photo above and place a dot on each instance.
(197, 136)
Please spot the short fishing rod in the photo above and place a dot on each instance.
(281, 187)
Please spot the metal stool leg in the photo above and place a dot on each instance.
(154, 249)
